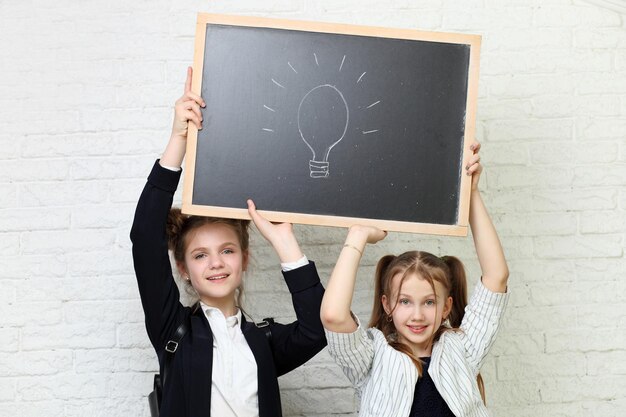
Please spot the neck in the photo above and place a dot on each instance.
(422, 353)
(226, 306)
(419, 351)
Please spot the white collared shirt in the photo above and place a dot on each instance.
(234, 385)
(234, 380)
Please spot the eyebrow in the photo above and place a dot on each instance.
(431, 295)
(223, 245)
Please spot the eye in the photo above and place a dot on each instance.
(404, 301)
(228, 251)
(430, 303)
(199, 255)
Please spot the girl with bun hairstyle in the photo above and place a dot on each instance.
(224, 366)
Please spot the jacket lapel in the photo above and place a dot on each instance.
(268, 394)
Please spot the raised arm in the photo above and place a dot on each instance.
(159, 294)
(295, 343)
(335, 311)
(495, 272)
(186, 109)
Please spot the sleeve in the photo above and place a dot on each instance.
(353, 352)
(290, 266)
(157, 289)
(481, 322)
(295, 343)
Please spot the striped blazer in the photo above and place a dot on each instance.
(385, 379)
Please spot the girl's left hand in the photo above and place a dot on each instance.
(473, 167)
(279, 235)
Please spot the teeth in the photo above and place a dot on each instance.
(218, 277)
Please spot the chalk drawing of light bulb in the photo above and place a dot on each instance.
(323, 117)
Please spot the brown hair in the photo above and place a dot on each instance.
(180, 226)
(447, 270)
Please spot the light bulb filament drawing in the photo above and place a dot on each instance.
(322, 110)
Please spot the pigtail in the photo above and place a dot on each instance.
(458, 290)
(379, 317)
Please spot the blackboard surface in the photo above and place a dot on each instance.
(342, 126)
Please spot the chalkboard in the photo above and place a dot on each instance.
(332, 124)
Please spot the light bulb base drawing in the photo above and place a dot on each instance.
(318, 169)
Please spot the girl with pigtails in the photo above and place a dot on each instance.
(424, 346)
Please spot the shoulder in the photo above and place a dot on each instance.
(377, 336)
(450, 337)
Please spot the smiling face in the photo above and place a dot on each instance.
(214, 264)
(417, 310)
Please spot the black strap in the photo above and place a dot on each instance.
(265, 325)
(154, 399)
(170, 349)
(172, 345)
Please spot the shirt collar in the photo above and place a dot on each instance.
(212, 312)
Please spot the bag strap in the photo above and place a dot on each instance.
(170, 348)
(172, 345)
(265, 325)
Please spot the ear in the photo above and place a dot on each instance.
(182, 269)
(246, 258)
(447, 308)
(385, 302)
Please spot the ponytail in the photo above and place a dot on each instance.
(458, 292)
(379, 316)
(458, 289)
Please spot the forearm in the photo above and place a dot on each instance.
(493, 264)
(287, 249)
(335, 311)
(174, 152)
(297, 342)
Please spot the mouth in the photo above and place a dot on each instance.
(417, 329)
(218, 277)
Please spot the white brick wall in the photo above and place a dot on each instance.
(86, 90)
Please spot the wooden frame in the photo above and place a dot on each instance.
(458, 229)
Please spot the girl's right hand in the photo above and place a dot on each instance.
(187, 109)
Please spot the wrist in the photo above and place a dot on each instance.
(357, 236)
(288, 250)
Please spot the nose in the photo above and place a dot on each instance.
(216, 262)
(418, 313)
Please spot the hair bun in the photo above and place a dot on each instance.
(174, 226)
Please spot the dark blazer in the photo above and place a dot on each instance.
(187, 391)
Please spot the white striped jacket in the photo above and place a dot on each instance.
(385, 378)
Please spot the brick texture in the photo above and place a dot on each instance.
(86, 95)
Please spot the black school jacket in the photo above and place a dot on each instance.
(188, 389)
